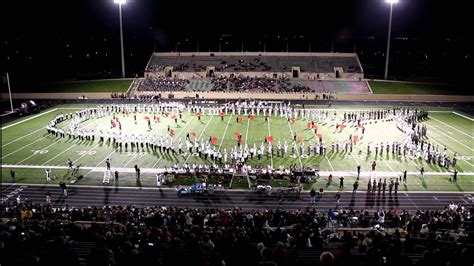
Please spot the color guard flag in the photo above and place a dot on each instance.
(308, 124)
(293, 121)
(221, 114)
(171, 132)
(240, 119)
(341, 127)
(239, 138)
(315, 126)
(158, 118)
(113, 124)
(252, 117)
(193, 134)
(173, 117)
(355, 138)
(197, 113)
(214, 140)
(166, 114)
(270, 138)
(299, 138)
(236, 133)
(319, 136)
(146, 118)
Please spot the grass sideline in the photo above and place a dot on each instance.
(382, 87)
(87, 86)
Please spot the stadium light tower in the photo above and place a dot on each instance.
(391, 2)
(120, 3)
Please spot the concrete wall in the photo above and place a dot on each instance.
(268, 96)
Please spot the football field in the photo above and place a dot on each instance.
(29, 149)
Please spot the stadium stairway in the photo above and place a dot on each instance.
(82, 250)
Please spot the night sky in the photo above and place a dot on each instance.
(60, 40)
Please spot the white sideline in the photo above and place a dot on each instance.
(463, 116)
(160, 170)
(28, 119)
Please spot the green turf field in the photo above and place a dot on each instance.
(28, 149)
(116, 85)
(380, 87)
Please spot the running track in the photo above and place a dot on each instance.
(82, 196)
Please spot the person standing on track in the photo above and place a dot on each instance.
(358, 171)
(48, 197)
(341, 182)
(12, 175)
(107, 163)
(405, 176)
(422, 173)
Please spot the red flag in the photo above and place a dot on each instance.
(355, 138)
(341, 127)
(173, 117)
(308, 124)
(166, 114)
(197, 114)
(113, 124)
(252, 117)
(315, 126)
(214, 140)
(146, 118)
(158, 118)
(193, 134)
(299, 138)
(236, 133)
(319, 136)
(126, 113)
(239, 138)
(221, 114)
(240, 119)
(116, 118)
(270, 138)
(171, 132)
(293, 121)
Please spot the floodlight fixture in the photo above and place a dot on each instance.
(386, 1)
(120, 2)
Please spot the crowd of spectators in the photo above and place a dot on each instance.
(41, 235)
(159, 84)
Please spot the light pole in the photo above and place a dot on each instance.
(391, 2)
(120, 3)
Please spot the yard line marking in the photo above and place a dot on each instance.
(13, 141)
(463, 116)
(391, 169)
(54, 143)
(189, 156)
(222, 139)
(247, 132)
(269, 134)
(80, 157)
(330, 164)
(179, 134)
(23, 147)
(59, 154)
(442, 133)
(28, 119)
(462, 132)
(133, 157)
(291, 132)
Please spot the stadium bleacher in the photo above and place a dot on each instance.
(121, 235)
